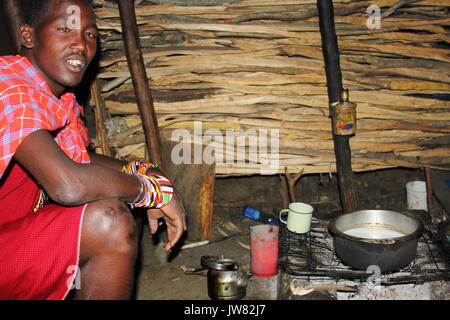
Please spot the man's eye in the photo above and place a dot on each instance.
(64, 29)
(91, 35)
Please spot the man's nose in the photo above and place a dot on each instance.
(79, 41)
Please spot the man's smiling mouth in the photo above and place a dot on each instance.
(76, 64)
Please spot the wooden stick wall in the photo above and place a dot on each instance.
(257, 64)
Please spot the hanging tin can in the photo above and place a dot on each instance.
(343, 115)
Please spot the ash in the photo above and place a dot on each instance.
(436, 290)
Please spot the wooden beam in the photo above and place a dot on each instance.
(206, 195)
(291, 181)
(140, 80)
(334, 84)
(100, 117)
(429, 184)
(195, 184)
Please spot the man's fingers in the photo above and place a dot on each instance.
(174, 233)
(175, 219)
(153, 223)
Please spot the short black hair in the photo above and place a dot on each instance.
(33, 10)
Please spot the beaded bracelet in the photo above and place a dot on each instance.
(133, 167)
(141, 194)
(158, 191)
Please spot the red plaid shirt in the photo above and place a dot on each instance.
(27, 105)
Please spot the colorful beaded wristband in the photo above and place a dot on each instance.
(142, 190)
(138, 167)
(158, 191)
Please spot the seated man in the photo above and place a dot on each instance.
(63, 209)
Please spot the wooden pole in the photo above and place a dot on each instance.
(206, 195)
(429, 184)
(140, 80)
(334, 83)
(100, 117)
(292, 180)
(15, 20)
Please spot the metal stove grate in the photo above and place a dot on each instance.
(312, 255)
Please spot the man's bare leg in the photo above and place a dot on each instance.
(109, 243)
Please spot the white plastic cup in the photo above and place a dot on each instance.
(416, 195)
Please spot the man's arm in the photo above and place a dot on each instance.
(106, 161)
(68, 182)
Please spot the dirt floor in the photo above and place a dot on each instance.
(161, 277)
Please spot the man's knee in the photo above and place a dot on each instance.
(108, 226)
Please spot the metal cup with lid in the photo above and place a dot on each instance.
(225, 280)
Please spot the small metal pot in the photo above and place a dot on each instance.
(225, 280)
(389, 254)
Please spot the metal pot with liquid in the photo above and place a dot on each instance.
(383, 238)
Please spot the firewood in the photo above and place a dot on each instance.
(258, 64)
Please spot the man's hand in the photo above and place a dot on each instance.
(174, 216)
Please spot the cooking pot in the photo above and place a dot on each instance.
(225, 280)
(384, 238)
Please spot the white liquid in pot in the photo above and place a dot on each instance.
(375, 233)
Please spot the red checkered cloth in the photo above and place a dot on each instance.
(39, 251)
(27, 105)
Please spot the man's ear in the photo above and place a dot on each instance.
(26, 36)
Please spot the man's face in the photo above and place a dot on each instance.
(63, 44)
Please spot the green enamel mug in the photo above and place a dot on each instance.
(299, 216)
